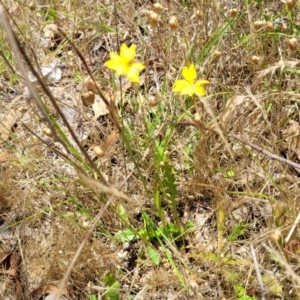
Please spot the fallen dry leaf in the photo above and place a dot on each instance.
(49, 290)
(7, 123)
(51, 72)
(99, 107)
(110, 139)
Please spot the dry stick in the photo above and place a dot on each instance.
(265, 152)
(293, 228)
(253, 146)
(263, 291)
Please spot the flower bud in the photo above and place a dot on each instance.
(173, 23)
(99, 151)
(47, 131)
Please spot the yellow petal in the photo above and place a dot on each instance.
(133, 71)
(117, 64)
(137, 66)
(126, 53)
(202, 82)
(183, 87)
(200, 90)
(189, 74)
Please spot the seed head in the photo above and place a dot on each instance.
(88, 98)
(293, 43)
(259, 24)
(31, 6)
(284, 28)
(99, 151)
(197, 118)
(70, 54)
(90, 84)
(199, 14)
(276, 235)
(47, 131)
(173, 23)
(153, 18)
(218, 54)
(255, 59)
(291, 4)
(269, 26)
(158, 7)
(153, 101)
(233, 12)
(71, 65)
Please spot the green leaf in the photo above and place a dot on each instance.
(239, 230)
(229, 173)
(122, 213)
(242, 294)
(153, 254)
(126, 235)
(292, 70)
(113, 291)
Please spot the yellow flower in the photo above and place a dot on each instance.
(187, 86)
(123, 65)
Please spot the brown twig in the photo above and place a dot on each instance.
(240, 139)
(265, 152)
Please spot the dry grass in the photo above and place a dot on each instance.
(193, 198)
